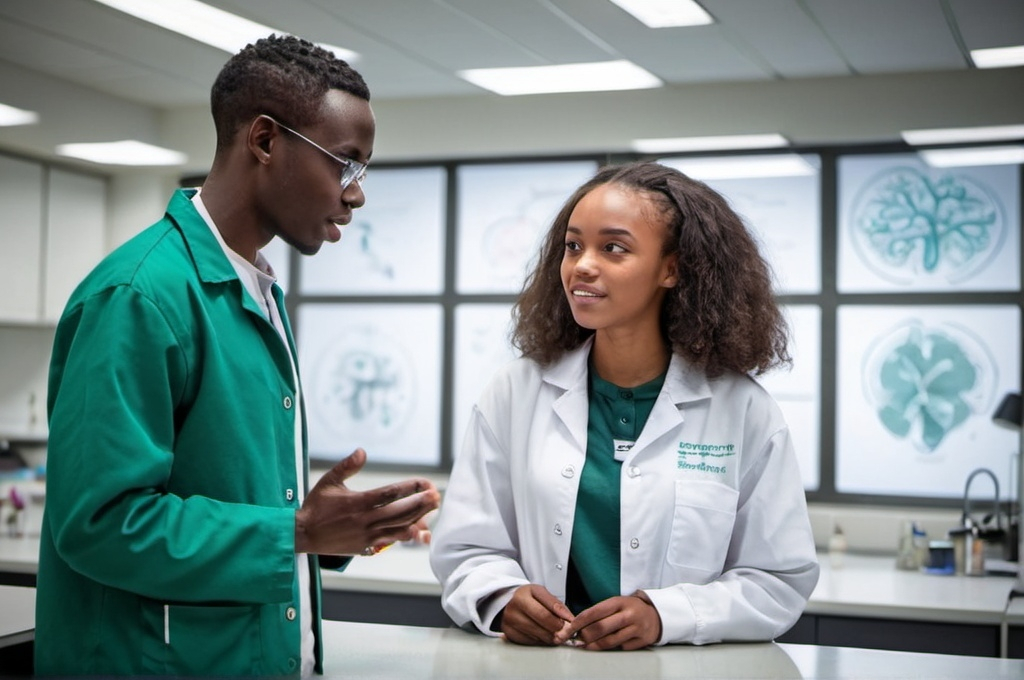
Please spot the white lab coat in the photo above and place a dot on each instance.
(714, 523)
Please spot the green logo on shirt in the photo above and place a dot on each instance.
(693, 456)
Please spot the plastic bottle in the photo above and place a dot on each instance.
(837, 547)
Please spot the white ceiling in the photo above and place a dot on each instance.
(412, 48)
(818, 71)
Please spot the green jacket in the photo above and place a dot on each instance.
(167, 542)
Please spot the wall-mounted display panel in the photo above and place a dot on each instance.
(372, 379)
(393, 245)
(781, 206)
(504, 210)
(798, 390)
(916, 389)
(907, 227)
(482, 346)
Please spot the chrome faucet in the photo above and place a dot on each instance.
(966, 518)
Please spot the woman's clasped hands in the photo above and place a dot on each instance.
(536, 617)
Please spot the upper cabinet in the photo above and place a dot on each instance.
(52, 231)
(76, 216)
(21, 239)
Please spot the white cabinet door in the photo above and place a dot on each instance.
(21, 234)
(76, 215)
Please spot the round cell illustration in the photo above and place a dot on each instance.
(909, 226)
(926, 382)
(364, 384)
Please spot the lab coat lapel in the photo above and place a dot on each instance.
(570, 374)
(683, 384)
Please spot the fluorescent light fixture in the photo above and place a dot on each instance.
(665, 13)
(992, 155)
(207, 24)
(737, 167)
(715, 143)
(592, 77)
(998, 57)
(993, 133)
(124, 152)
(12, 116)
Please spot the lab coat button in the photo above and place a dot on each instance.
(568, 471)
(289, 494)
(287, 402)
(558, 567)
(558, 530)
(634, 543)
(290, 613)
(634, 471)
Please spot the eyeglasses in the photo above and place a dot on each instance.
(352, 170)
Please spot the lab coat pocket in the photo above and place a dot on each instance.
(702, 524)
(205, 640)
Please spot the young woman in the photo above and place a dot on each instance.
(626, 482)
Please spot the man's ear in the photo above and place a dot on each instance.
(260, 138)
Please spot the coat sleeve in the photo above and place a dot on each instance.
(114, 390)
(771, 567)
(474, 548)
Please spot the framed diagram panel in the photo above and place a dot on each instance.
(503, 213)
(372, 379)
(481, 347)
(906, 227)
(393, 245)
(798, 390)
(916, 389)
(782, 209)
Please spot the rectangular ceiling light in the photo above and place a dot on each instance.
(207, 24)
(714, 143)
(666, 13)
(592, 77)
(998, 57)
(125, 152)
(741, 167)
(992, 155)
(10, 115)
(994, 133)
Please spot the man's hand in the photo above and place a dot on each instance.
(535, 617)
(335, 520)
(625, 622)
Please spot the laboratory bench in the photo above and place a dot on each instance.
(372, 651)
(864, 603)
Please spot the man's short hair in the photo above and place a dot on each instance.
(283, 76)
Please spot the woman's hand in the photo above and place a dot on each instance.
(625, 622)
(535, 617)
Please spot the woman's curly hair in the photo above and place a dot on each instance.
(721, 315)
(283, 76)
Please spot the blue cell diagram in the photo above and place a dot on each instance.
(367, 242)
(365, 385)
(924, 382)
(909, 225)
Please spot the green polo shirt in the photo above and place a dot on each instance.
(616, 417)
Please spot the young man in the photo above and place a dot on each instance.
(178, 537)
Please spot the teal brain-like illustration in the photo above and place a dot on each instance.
(908, 224)
(925, 382)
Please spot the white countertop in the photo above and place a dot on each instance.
(364, 650)
(17, 614)
(865, 586)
